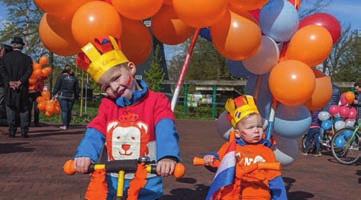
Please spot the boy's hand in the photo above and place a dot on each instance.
(208, 160)
(82, 164)
(165, 167)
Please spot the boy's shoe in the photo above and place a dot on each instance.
(304, 153)
(318, 154)
(63, 127)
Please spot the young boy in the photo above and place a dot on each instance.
(248, 131)
(314, 136)
(132, 120)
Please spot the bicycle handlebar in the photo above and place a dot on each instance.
(129, 166)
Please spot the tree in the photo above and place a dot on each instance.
(155, 75)
(315, 6)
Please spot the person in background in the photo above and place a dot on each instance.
(16, 68)
(3, 122)
(67, 91)
(357, 102)
(314, 136)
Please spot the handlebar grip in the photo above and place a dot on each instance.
(197, 161)
(69, 167)
(179, 170)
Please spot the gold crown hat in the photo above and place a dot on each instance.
(99, 56)
(240, 107)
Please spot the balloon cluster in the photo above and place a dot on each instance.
(340, 116)
(67, 26)
(46, 105)
(41, 71)
(284, 58)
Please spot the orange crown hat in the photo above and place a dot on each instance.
(99, 56)
(240, 107)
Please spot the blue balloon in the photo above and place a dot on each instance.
(279, 20)
(340, 141)
(292, 122)
(264, 100)
(237, 69)
(327, 124)
(347, 134)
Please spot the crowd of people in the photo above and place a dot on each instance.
(15, 70)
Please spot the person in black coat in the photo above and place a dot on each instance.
(67, 90)
(15, 70)
(3, 121)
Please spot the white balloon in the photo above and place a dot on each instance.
(224, 126)
(340, 125)
(285, 150)
(350, 123)
(266, 57)
(324, 115)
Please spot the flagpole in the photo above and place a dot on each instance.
(184, 70)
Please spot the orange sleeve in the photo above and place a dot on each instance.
(222, 151)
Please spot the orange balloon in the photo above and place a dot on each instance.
(46, 71)
(168, 28)
(42, 106)
(243, 13)
(168, 2)
(136, 41)
(32, 81)
(226, 36)
(292, 82)
(137, 9)
(322, 93)
(56, 36)
(60, 8)
(350, 97)
(200, 13)
(311, 44)
(37, 73)
(248, 4)
(95, 19)
(36, 66)
(44, 60)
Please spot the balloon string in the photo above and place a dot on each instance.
(184, 69)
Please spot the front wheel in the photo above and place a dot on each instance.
(345, 146)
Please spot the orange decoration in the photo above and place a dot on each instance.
(42, 105)
(32, 81)
(37, 73)
(322, 93)
(137, 9)
(95, 19)
(168, 28)
(168, 2)
(46, 95)
(311, 44)
(136, 41)
(56, 36)
(248, 4)
(292, 82)
(36, 66)
(46, 71)
(226, 34)
(200, 13)
(60, 8)
(44, 60)
(350, 97)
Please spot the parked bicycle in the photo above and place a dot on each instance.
(346, 145)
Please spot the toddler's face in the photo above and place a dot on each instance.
(250, 129)
(120, 83)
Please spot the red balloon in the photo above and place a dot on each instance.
(334, 110)
(352, 113)
(168, 28)
(136, 41)
(325, 20)
(343, 100)
(344, 111)
(95, 19)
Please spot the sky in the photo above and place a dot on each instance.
(346, 11)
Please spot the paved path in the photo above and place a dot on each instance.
(32, 168)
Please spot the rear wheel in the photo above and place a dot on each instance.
(345, 146)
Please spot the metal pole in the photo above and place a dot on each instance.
(81, 94)
(214, 102)
(86, 93)
(185, 101)
(184, 70)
